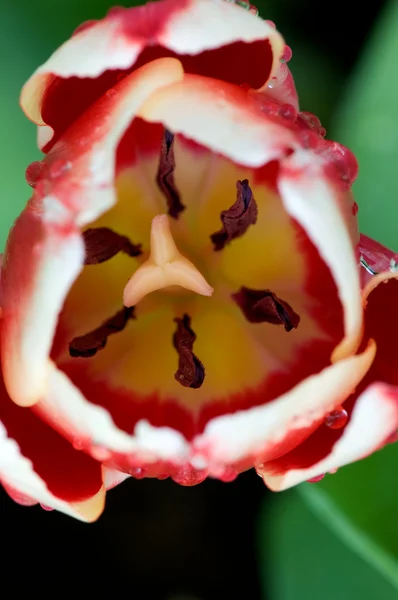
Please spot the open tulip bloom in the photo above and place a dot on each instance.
(186, 294)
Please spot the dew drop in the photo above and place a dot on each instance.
(101, 454)
(229, 474)
(33, 172)
(189, 476)
(58, 168)
(355, 209)
(45, 507)
(337, 418)
(111, 93)
(270, 23)
(287, 54)
(316, 479)
(78, 444)
(163, 476)
(288, 112)
(138, 473)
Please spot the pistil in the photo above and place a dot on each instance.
(165, 267)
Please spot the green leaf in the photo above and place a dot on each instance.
(360, 503)
(301, 558)
(368, 124)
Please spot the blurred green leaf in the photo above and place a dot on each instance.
(301, 558)
(28, 42)
(360, 504)
(368, 124)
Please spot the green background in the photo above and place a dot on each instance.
(337, 539)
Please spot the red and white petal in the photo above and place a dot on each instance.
(265, 432)
(373, 421)
(39, 465)
(90, 427)
(219, 116)
(183, 27)
(44, 251)
(312, 198)
(281, 87)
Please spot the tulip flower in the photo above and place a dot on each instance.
(181, 296)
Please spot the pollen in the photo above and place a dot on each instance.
(165, 267)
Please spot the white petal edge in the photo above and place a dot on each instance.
(59, 256)
(311, 198)
(374, 419)
(214, 114)
(231, 438)
(68, 411)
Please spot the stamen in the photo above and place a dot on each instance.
(103, 243)
(238, 218)
(263, 306)
(165, 267)
(191, 372)
(165, 175)
(88, 345)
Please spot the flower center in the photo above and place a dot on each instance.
(165, 267)
(161, 329)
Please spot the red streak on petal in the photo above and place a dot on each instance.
(67, 99)
(68, 474)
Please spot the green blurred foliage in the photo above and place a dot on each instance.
(302, 559)
(368, 124)
(361, 505)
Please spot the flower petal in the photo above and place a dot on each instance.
(38, 465)
(45, 251)
(374, 419)
(270, 430)
(219, 116)
(311, 197)
(91, 427)
(373, 408)
(215, 38)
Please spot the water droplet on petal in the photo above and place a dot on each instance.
(270, 23)
(33, 172)
(78, 444)
(229, 474)
(163, 476)
(316, 479)
(189, 476)
(111, 93)
(138, 473)
(337, 418)
(288, 112)
(355, 209)
(287, 54)
(333, 471)
(58, 168)
(45, 507)
(101, 454)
